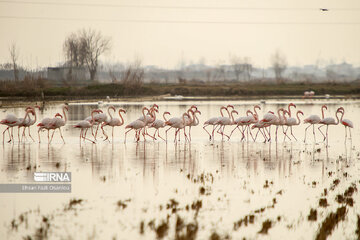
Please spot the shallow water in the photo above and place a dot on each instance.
(279, 182)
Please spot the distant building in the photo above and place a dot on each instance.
(67, 74)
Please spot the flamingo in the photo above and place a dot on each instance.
(158, 123)
(114, 122)
(246, 121)
(260, 126)
(31, 122)
(290, 122)
(271, 119)
(330, 121)
(224, 121)
(314, 119)
(47, 124)
(60, 122)
(149, 118)
(137, 125)
(178, 123)
(84, 124)
(346, 123)
(12, 121)
(195, 121)
(212, 121)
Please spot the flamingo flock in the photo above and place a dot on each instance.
(283, 120)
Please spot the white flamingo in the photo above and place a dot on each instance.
(137, 125)
(85, 125)
(12, 121)
(158, 123)
(225, 121)
(312, 120)
(260, 126)
(194, 122)
(290, 122)
(212, 122)
(60, 122)
(114, 122)
(330, 121)
(178, 124)
(29, 123)
(346, 123)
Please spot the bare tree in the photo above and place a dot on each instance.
(14, 54)
(279, 65)
(84, 49)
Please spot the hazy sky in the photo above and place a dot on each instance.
(189, 30)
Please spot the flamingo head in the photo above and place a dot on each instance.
(300, 113)
(234, 111)
(122, 110)
(230, 106)
(66, 107)
(257, 106)
(155, 106)
(324, 106)
(58, 115)
(197, 111)
(271, 112)
(112, 107)
(292, 105)
(167, 113)
(193, 107)
(340, 109)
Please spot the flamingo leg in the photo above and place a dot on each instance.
(327, 130)
(52, 135)
(30, 135)
(166, 132)
(251, 133)
(81, 131)
(314, 133)
(322, 132)
(48, 136)
(186, 137)
(85, 138)
(190, 133)
(214, 128)
(126, 133)
(159, 135)
(61, 135)
(7, 129)
(112, 134)
(104, 133)
(204, 127)
(305, 132)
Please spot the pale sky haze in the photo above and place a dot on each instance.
(188, 30)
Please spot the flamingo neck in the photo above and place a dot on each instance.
(256, 114)
(122, 119)
(108, 110)
(164, 114)
(221, 110)
(26, 115)
(196, 120)
(322, 111)
(92, 118)
(297, 115)
(191, 115)
(63, 113)
(337, 117)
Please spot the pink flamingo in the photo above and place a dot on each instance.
(12, 121)
(314, 119)
(31, 122)
(224, 121)
(149, 118)
(290, 122)
(195, 121)
(330, 121)
(158, 123)
(137, 125)
(246, 121)
(114, 122)
(346, 123)
(212, 121)
(260, 126)
(271, 119)
(178, 123)
(84, 124)
(60, 122)
(47, 124)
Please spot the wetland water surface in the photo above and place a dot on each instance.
(202, 190)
